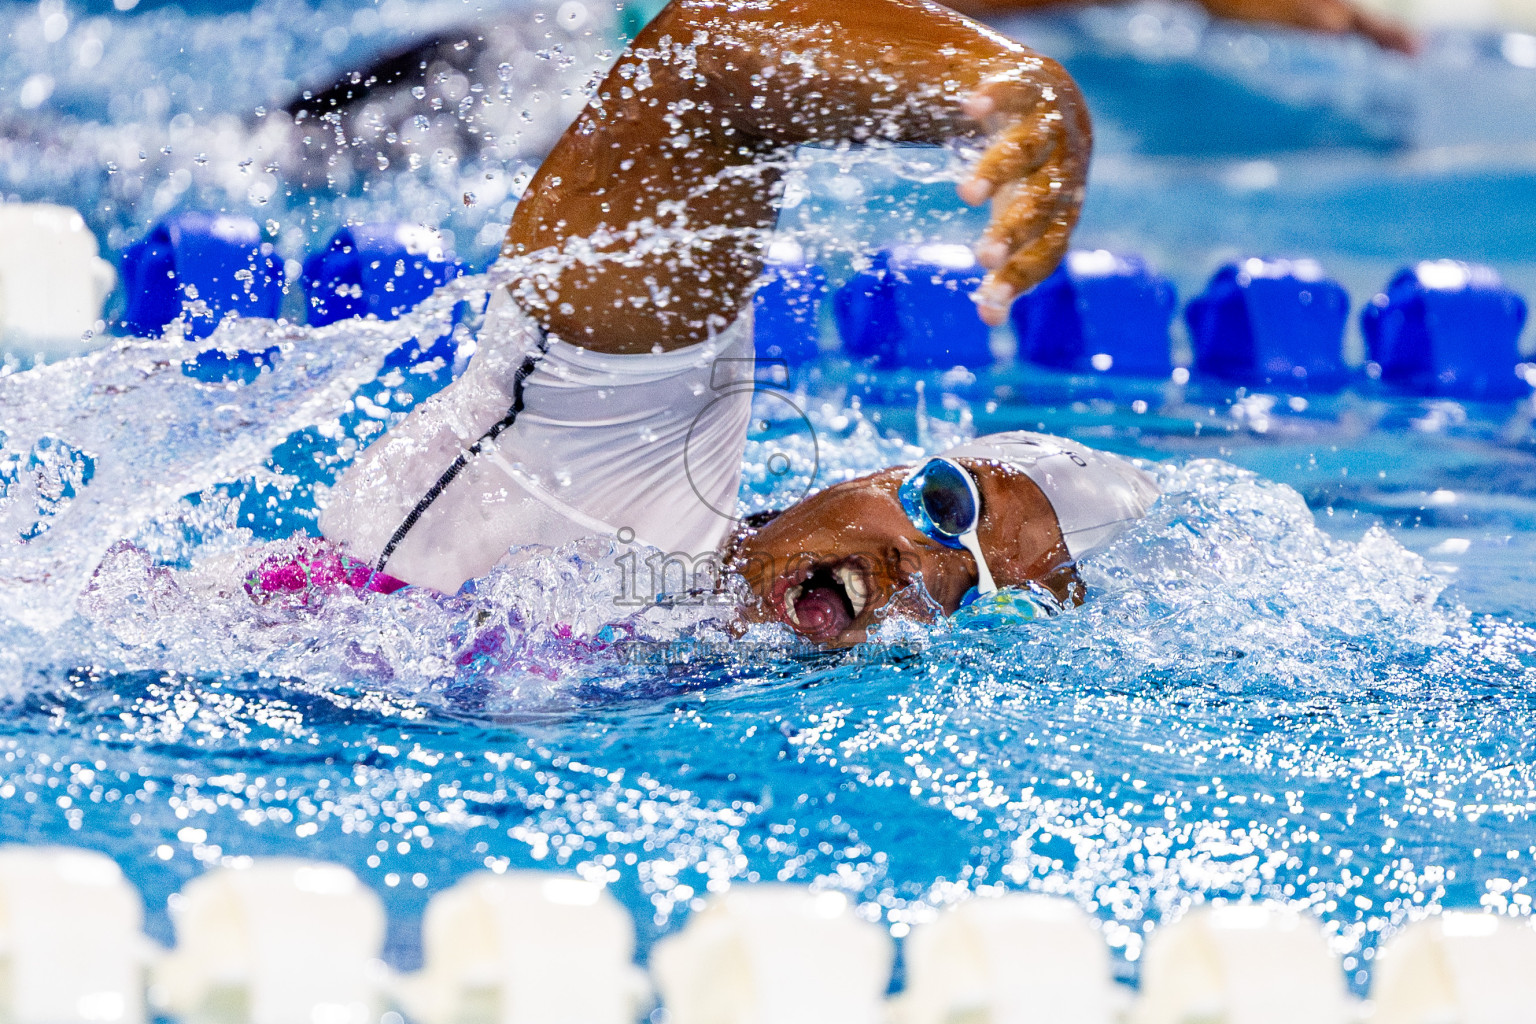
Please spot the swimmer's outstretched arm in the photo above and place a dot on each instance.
(1335, 17)
(659, 195)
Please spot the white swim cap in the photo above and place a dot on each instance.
(1095, 495)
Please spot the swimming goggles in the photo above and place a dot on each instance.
(941, 499)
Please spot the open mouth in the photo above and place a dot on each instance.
(823, 600)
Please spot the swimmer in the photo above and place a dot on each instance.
(599, 402)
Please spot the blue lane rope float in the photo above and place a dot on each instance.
(912, 307)
(1440, 327)
(1447, 328)
(1099, 312)
(786, 311)
(382, 270)
(202, 267)
(1271, 323)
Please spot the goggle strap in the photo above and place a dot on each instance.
(984, 585)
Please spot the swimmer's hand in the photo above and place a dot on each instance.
(1033, 171)
(694, 139)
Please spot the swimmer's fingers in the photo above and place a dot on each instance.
(1020, 214)
(1009, 108)
(1033, 172)
(1017, 153)
(1031, 224)
(1025, 269)
(1341, 16)
(1385, 32)
(1004, 98)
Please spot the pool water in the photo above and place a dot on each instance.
(1307, 675)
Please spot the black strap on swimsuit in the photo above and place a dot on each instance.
(452, 472)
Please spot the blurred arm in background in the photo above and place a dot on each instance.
(1335, 17)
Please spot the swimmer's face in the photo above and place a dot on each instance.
(835, 564)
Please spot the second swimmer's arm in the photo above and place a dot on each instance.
(1335, 17)
(659, 194)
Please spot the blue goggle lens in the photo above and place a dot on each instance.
(939, 500)
(943, 503)
(947, 499)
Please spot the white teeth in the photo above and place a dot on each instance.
(791, 596)
(854, 586)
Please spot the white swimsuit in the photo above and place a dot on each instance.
(542, 442)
